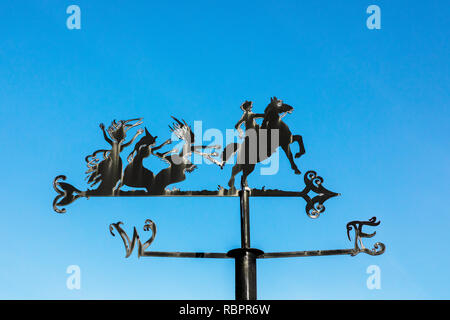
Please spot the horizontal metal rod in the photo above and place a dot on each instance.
(185, 254)
(314, 253)
(202, 193)
(267, 255)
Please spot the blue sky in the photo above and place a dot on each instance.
(372, 107)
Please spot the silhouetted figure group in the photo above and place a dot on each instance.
(108, 171)
(259, 143)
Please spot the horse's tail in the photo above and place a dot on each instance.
(229, 151)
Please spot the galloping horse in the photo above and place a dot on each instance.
(272, 121)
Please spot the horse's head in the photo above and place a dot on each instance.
(275, 107)
(279, 106)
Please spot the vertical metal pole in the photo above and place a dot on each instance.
(245, 257)
(245, 269)
(245, 219)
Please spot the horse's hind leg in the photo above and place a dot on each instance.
(299, 140)
(236, 169)
(248, 168)
(229, 150)
(287, 151)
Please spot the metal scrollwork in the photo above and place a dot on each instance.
(314, 206)
(357, 226)
(129, 245)
(67, 193)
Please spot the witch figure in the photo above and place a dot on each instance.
(108, 172)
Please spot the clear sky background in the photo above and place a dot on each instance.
(371, 105)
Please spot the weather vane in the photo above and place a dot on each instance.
(108, 175)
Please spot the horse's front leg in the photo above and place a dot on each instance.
(287, 151)
(229, 150)
(298, 138)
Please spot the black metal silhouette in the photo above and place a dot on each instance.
(259, 144)
(272, 121)
(105, 169)
(109, 170)
(248, 120)
(135, 174)
(179, 163)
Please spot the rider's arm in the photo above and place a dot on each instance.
(264, 123)
(258, 115)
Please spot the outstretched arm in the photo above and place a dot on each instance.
(168, 141)
(102, 126)
(258, 115)
(195, 148)
(209, 157)
(140, 131)
(129, 126)
(164, 154)
(264, 123)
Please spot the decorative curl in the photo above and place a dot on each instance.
(357, 226)
(315, 205)
(67, 193)
(129, 245)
